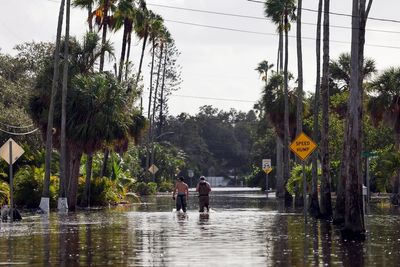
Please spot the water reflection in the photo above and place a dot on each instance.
(245, 229)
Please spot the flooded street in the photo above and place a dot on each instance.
(244, 229)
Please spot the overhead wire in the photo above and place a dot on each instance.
(337, 13)
(271, 34)
(259, 18)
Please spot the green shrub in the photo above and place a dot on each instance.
(165, 186)
(4, 193)
(144, 189)
(103, 191)
(296, 178)
(28, 187)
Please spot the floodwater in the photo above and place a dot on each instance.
(244, 229)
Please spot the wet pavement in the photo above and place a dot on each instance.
(244, 229)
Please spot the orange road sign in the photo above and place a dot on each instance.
(303, 146)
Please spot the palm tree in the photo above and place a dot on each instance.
(263, 68)
(86, 4)
(44, 202)
(62, 201)
(314, 202)
(326, 201)
(299, 124)
(280, 11)
(384, 104)
(124, 17)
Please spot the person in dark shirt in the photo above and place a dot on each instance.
(204, 189)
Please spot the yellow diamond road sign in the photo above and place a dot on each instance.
(266, 165)
(303, 146)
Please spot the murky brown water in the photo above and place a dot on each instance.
(245, 230)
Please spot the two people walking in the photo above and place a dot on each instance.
(181, 191)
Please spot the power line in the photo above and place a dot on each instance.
(211, 98)
(16, 127)
(260, 18)
(19, 134)
(337, 13)
(271, 34)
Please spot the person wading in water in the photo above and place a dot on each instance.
(204, 189)
(183, 194)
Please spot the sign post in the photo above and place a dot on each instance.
(10, 152)
(191, 174)
(303, 146)
(266, 166)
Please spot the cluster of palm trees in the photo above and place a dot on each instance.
(278, 98)
(83, 74)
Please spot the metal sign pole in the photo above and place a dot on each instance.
(304, 190)
(11, 185)
(266, 184)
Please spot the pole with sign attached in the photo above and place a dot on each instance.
(266, 166)
(303, 146)
(10, 152)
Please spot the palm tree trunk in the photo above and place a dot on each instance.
(123, 51)
(280, 191)
(160, 121)
(286, 156)
(86, 196)
(149, 108)
(128, 54)
(326, 201)
(62, 201)
(354, 214)
(299, 198)
(74, 165)
(281, 50)
(104, 35)
(44, 202)
(90, 23)
(141, 58)
(314, 203)
(104, 168)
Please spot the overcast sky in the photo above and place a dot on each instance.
(217, 63)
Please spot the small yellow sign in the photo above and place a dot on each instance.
(303, 146)
(268, 170)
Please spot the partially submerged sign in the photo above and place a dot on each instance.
(16, 151)
(303, 146)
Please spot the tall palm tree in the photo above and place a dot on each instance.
(384, 105)
(279, 11)
(62, 201)
(44, 202)
(124, 17)
(326, 201)
(314, 202)
(299, 124)
(340, 73)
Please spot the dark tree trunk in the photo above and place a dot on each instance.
(354, 213)
(86, 195)
(149, 109)
(141, 58)
(326, 202)
(49, 131)
(314, 203)
(63, 148)
(104, 168)
(74, 165)
(123, 50)
(104, 34)
(286, 152)
(128, 54)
